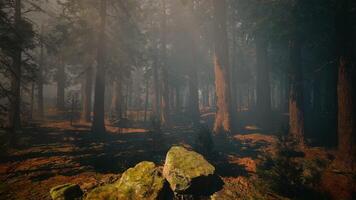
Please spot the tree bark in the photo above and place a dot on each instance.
(60, 85)
(165, 121)
(223, 118)
(193, 74)
(15, 100)
(156, 95)
(116, 99)
(87, 94)
(263, 87)
(32, 103)
(98, 125)
(296, 109)
(40, 80)
(346, 88)
(147, 92)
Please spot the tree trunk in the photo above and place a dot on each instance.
(165, 121)
(60, 86)
(178, 103)
(296, 109)
(40, 79)
(98, 125)
(223, 121)
(156, 95)
(263, 82)
(32, 103)
(339, 179)
(116, 99)
(346, 88)
(146, 99)
(87, 97)
(15, 100)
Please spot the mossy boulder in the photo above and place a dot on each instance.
(66, 192)
(188, 172)
(144, 181)
(106, 192)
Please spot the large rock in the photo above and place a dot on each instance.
(107, 192)
(66, 192)
(144, 181)
(187, 171)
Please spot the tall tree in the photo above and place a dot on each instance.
(98, 125)
(165, 121)
(15, 100)
(87, 94)
(61, 81)
(40, 81)
(263, 87)
(156, 90)
(346, 87)
(223, 118)
(296, 108)
(193, 74)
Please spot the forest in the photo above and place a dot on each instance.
(177, 99)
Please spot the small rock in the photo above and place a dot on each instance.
(187, 171)
(66, 192)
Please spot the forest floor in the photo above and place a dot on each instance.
(55, 153)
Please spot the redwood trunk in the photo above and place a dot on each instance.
(98, 125)
(15, 100)
(87, 97)
(223, 121)
(60, 86)
(40, 80)
(165, 121)
(346, 89)
(296, 110)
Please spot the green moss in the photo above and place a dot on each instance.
(144, 181)
(107, 192)
(182, 165)
(66, 192)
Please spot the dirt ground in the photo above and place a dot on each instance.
(57, 153)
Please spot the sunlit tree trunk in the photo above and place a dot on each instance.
(15, 100)
(60, 85)
(296, 109)
(98, 125)
(223, 118)
(346, 88)
(87, 94)
(263, 88)
(165, 121)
